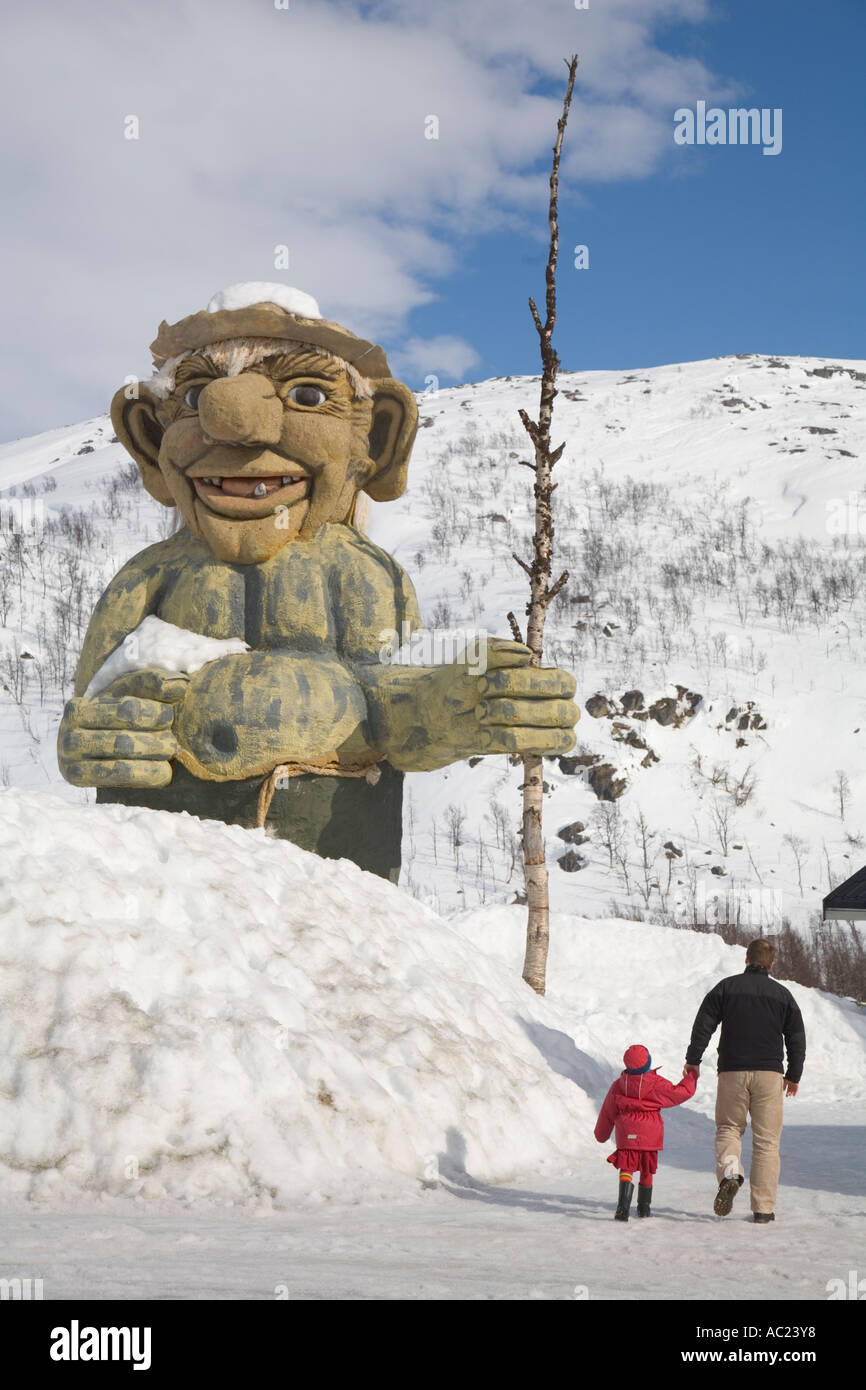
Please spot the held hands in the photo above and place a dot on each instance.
(791, 1087)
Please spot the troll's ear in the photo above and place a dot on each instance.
(137, 426)
(392, 434)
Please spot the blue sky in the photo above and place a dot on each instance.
(305, 128)
(721, 250)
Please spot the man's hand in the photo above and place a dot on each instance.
(791, 1087)
(688, 1069)
(123, 737)
(426, 718)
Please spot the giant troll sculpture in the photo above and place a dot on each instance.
(262, 424)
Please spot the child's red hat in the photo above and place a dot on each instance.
(637, 1058)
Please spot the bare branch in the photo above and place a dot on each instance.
(515, 629)
(555, 588)
(532, 429)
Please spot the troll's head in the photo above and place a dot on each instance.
(263, 421)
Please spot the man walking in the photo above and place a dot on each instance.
(757, 1015)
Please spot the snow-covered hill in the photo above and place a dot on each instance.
(712, 516)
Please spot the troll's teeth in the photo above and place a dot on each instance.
(261, 490)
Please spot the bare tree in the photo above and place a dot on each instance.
(541, 591)
(644, 838)
(720, 811)
(455, 819)
(500, 819)
(842, 790)
(799, 848)
(610, 829)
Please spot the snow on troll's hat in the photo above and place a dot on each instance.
(637, 1059)
(259, 310)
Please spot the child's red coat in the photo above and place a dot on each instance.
(632, 1106)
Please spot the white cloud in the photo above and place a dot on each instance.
(444, 356)
(302, 127)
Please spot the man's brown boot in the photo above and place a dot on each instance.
(728, 1189)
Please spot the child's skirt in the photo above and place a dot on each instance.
(644, 1161)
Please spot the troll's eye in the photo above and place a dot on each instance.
(192, 395)
(307, 395)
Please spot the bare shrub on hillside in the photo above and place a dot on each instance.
(799, 849)
(830, 956)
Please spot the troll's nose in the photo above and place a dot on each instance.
(241, 410)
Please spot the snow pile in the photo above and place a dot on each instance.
(196, 1011)
(161, 644)
(249, 292)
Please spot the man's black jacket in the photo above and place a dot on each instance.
(756, 1013)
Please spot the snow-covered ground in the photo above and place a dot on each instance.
(229, 1069)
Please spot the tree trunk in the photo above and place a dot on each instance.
(541, 593)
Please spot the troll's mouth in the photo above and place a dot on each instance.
(250, 495)
(247, 485)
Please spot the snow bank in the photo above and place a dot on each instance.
(198, 1012)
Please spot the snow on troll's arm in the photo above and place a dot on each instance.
(160, 644)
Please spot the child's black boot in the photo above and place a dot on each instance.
(644, 1200)
(626, 1188)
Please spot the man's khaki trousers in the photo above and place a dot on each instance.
(757, 1095)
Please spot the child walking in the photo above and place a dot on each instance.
(632, 1106)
